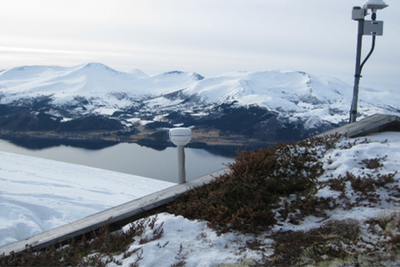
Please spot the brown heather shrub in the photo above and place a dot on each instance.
(374, 163)
(245, 197)
(328, 242)
(369, 183)
(96, 249)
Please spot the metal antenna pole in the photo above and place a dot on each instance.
(357, 76)
(181, 165)
(180, 137)
(373, 28)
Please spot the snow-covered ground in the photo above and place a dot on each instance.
(37, 195)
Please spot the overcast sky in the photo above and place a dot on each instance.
(210, 37)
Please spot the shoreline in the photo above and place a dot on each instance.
(99, 140)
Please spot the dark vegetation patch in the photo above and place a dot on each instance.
(158, 125)
(95, 249)
(373, 163)
(247, 198)
(5, 109)
(91, 123)
(340, 243)
(323, 244)
(174, 115)
(25, 120)
(364, 189)
(267, 187)
(36, 103)
(240, 120)
(129, 132)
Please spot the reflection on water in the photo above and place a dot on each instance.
(126, 158)
(38, 143)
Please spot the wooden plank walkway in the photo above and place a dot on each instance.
(372, 124)
(117, 215)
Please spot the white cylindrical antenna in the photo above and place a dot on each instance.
(180, 137)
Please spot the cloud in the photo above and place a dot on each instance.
(206, 36)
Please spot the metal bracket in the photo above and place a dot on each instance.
(373, 28)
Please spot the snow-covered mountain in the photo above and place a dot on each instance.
(273, 104)
(100, 85)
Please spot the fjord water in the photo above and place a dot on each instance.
(130, 158)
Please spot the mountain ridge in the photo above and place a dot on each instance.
(265, 106)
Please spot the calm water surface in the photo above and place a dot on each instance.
(131, 159)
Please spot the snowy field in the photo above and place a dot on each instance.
(37, 195)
